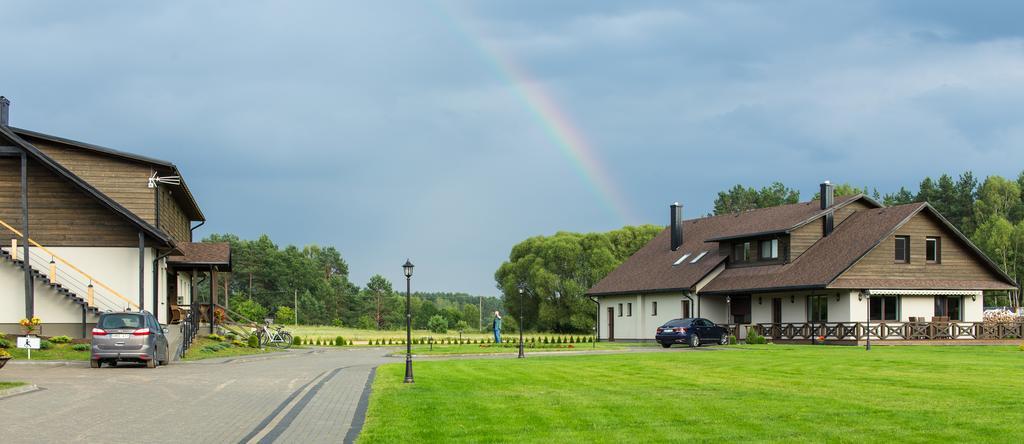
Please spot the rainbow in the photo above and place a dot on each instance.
(556, 122)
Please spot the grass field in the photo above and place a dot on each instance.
(361, 337)
(484, 349)
(744, 393)
(7, 385)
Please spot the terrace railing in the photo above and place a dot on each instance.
(906, 331)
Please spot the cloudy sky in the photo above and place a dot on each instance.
(446, 132)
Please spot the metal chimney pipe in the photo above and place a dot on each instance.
(5, 111)
(677, 225)
(827, 195)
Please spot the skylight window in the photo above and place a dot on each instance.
(681, 259)
(702, 253)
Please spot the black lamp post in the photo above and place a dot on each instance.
(407, 268)
(521, 323)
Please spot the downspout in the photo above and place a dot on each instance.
(156, 281)
(597, 321)
(142, 271)
(190, 230)
(688, 296)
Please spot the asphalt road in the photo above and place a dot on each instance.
(305, 396)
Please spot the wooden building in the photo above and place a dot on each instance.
(99, 227)
(835, 269)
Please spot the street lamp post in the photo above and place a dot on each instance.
(407, 268)
(521, 323)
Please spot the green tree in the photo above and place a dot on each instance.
(250, 309)
(284, 315)
(438, 324)
(845, 189)
(740, 198)
(998, 197)
(379, 290)
(901, 197)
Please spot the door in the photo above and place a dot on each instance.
(685, 310)
(776, 310)
(611, 324)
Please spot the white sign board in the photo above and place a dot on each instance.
(28, 342)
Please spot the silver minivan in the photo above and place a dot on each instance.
(128, 336)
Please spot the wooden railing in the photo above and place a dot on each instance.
(78, 276)
(906, 331)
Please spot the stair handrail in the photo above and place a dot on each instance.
(69, 264)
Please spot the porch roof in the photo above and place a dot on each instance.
(202, 255)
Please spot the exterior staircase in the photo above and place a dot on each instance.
(57, 287)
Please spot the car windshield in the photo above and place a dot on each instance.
(114, 321)
(678, 323)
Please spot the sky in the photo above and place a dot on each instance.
(446, 132)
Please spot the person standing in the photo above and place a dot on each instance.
(497, 327)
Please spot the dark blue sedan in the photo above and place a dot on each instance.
(692, 332)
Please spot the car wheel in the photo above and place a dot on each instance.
(724, 340)
(666, 344)
(694, 341)
(151, 363)
(94, 363)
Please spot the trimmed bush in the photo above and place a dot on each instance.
(60, 339)
(45, 345)
(216, 337)
(732, 339)
(339, 341)
(237, 343)
(253, 341)
(1021, 346)
(296, 340)
(80, 347)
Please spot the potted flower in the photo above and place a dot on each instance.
(4, 357)
(30, 325)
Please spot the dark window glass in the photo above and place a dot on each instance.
(770, 249)
(679, 323)
(620, 310)
(818, 307)
(902, 248)
(933, 251)
(884, 308)
(629, 309)
(654, 308)
(122, 321)
(949, 306)
(686, 309)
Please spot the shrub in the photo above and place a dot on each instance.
(216, 337)
(437, 324)
(754, 338)
(336, 322)
(350, 342)
(60, 339)
(285, 315)
(5, 343)
(296, 340)
(252, 341)
(45, 345)
(1021, 346)
(732, 339)
(4, 354)
(230, 336)
(250, 310)
(237, 343)
(80, 347)
(339, 341)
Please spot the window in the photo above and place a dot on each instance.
(949, 306)
(620, 310)
(742, 252)
(770, 249)
(699, 256)
(682, 259)
(629, 309)
(884, 308)
(817, 307)
(933, 250)
(654, 308)
(902, 249)
(685, 310)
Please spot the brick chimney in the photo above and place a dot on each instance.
(677, 225)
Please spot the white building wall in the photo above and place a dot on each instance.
(974, 310)
(118, 267)
(916, 306)
(713, 308)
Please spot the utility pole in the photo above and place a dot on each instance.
(296, 306)
(480, 327)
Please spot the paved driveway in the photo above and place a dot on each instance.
(306, 396)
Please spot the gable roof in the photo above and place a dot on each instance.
(186, 199)
(85, 187)
(651, 268)
(203, 253)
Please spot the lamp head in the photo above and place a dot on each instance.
(407, 268)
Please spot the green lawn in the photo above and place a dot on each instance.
(59, 352)
(198, 350)
(744, 393)
(362, 337)
(6, 385)
(483, 349)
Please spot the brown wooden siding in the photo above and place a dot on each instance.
(123, 181)
(802, 238)
(172, 219)
(844, 212)
(957, 262)
(60, 215)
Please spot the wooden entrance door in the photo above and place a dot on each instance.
(776, 310)
(611, 324)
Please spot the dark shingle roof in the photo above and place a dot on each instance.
(203, 253)
(651, 268)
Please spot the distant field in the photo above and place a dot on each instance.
(739, 394)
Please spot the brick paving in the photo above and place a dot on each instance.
(301, 396)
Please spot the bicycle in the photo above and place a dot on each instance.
(276, 337)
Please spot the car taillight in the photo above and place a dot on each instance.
(141, 332)
(99, 332)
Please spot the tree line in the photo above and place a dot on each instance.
(314, 281)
